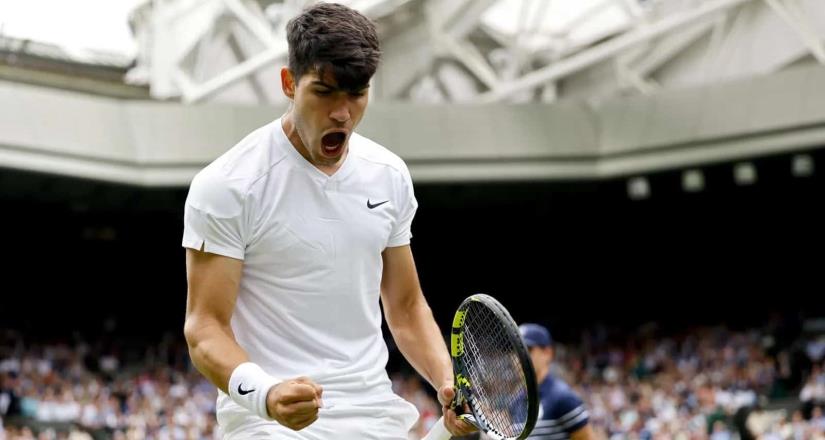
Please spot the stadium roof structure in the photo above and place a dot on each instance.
(483, 51)
(593, 88)
(475, 51)
(150, 143)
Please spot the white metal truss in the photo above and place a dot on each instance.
(611, 48)
(486, 50)
(794, 15)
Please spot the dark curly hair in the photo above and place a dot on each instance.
(332, 36)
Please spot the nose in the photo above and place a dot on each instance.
(340, 112)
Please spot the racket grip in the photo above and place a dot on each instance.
(438, 431)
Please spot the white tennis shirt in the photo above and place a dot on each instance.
(308, 303)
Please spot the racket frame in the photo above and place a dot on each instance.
(464, 391)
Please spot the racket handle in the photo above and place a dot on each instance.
(438, 432)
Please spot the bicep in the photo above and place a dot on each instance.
(213, 282)
(399, 281)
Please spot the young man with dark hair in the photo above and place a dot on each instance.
(292, 237)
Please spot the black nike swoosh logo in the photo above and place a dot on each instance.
(242, 391)
(371, 206)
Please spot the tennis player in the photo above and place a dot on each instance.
(292, 238)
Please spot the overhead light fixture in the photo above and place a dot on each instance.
(802, 165)
(693, 181)
(744, 174)
(638, 188)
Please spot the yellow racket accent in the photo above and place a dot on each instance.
(458, 320)
(457, 344)
(461, 380)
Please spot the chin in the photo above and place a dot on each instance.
(327, 161)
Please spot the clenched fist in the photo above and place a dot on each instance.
(294, 403)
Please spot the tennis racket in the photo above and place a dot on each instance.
(493, 372)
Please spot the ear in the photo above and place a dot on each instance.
(287, 83)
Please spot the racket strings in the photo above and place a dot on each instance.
(495, 372)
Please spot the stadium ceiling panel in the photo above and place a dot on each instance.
(637, 86)
(151, 143)
(484, 51)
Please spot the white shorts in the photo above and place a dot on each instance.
(387, 420)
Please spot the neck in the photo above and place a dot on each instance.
(291, 131)
(542, 373)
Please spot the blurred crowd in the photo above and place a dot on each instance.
(81, 393)
(709, 383)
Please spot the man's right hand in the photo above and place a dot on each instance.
(294, 403)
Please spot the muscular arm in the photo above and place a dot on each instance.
(415, 331)
(410, 319)
(213, 288)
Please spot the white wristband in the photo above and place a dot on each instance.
(248, 386)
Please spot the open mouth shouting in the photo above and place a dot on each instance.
(332, 144)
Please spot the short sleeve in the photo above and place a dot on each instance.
(213, 219)
(407, 205)
(572, 413)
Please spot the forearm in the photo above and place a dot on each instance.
(418, 337)
(213, 350)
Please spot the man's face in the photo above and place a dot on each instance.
(541, 357)
(325, 115)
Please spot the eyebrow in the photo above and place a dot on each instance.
(336, 88)
(321, 83)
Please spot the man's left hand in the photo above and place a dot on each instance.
(456, 426)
